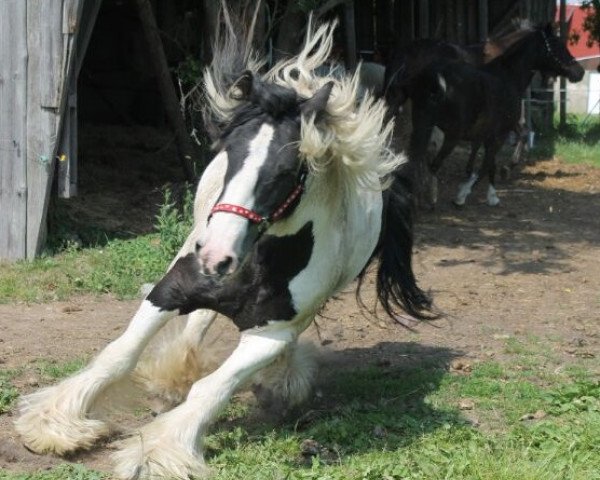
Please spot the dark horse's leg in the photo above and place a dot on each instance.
(450, 142)
(465, 188)
(475, 146)
(489, 166)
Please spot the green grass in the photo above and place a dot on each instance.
(426, 435)
(117, 266)
(120, 268)
(577, 142)
(62, 472)
(8, 393)
(54, 370)
(386, 423)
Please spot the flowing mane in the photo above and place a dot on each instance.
(350, 139)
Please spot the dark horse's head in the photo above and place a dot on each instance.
(555, 58)
(263, 171)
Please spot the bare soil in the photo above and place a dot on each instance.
(528, 270)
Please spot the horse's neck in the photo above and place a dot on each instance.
(516, 67)
(475, 52)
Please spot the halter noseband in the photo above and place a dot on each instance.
(263, 222)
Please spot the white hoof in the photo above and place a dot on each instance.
(52, 420)
(464, 190)
(492, 197)
(155, 452)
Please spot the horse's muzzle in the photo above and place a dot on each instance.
(217, 262)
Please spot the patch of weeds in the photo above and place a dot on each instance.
(8, 393)
(578, 373)
(581, 396)
(174, 224)
(51, 369)
(62, 472)
(515, 346)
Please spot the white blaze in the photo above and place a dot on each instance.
(226, 231)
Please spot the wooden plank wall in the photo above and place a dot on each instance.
(460, 21)
(13, 129)
(44, 87)
(36, 38)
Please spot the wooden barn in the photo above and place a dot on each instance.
(43, 45)
(41, 50)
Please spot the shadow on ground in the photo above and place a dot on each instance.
(366, 398)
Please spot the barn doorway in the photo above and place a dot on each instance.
(127, 153)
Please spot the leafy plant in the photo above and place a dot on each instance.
(577, 397)
(8, 394)
(174, 224)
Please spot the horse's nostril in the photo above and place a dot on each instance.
(224, 265)
(198, 247)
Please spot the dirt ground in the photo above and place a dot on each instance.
(528, 269)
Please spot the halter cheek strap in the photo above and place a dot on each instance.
(553, 56)
(262, 222)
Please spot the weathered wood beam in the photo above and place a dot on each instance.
(45, 89)
(484, 21)
(423, 18)
(350, 36)
(13, 129)
(166, 87)
(562, 16)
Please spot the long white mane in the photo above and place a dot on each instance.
(352, 139)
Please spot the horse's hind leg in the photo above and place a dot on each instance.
(489, 167)
(465, 188)
(171, 446)
(177, 361)
(59, 418)
(288, 381)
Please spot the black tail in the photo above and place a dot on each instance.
(396, 283)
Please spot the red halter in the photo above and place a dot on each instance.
(263, 222)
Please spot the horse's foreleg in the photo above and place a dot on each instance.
(475, 146)
(450, 142)
(60, 418)
(177, 361)
(171, 446)
(57, 419)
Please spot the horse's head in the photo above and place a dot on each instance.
(556, 58)
(264, 174)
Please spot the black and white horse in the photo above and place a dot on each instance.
(302, 193)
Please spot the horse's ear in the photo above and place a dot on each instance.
(318, 102)
(242, 87)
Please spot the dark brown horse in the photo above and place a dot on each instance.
(406, 63)
(482, 104)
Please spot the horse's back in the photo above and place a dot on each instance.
(466, 101)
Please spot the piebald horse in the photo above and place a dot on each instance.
(301, 195)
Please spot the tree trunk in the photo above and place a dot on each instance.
(166, 87)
